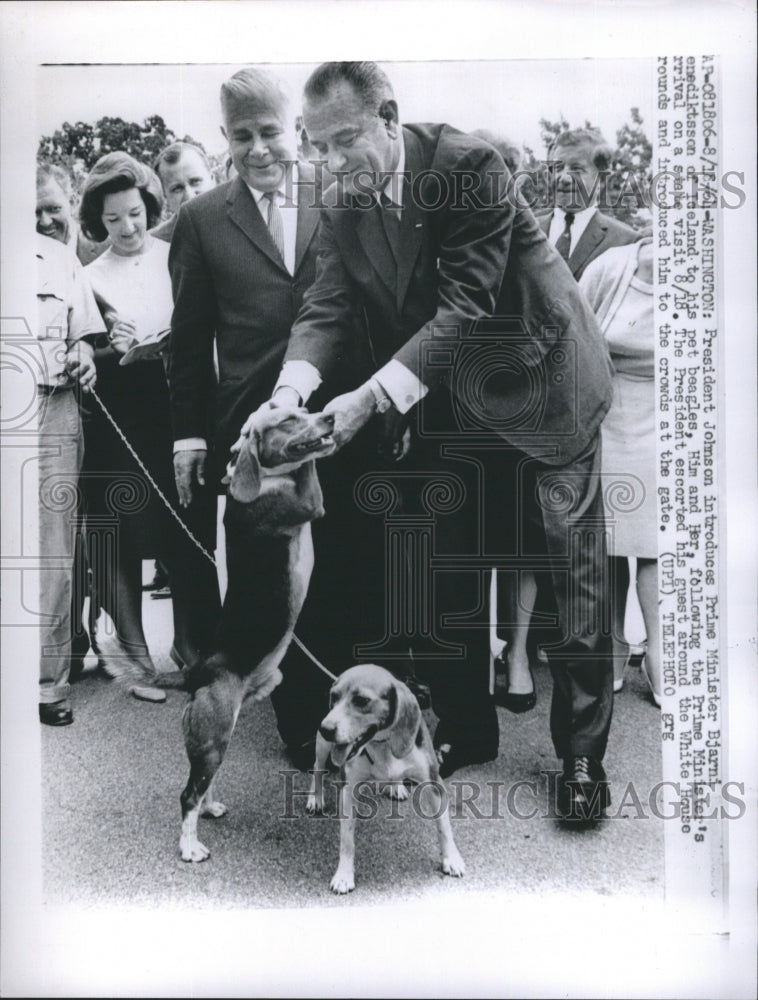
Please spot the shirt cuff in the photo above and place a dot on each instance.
(301, 376)
(190, 444)
(403, 387)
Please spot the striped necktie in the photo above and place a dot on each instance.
(274, 222)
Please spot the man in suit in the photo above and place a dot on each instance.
(242, 257)
(577, 160)
(185, 173)
(483, 340)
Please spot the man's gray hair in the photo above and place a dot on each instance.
(252, 91)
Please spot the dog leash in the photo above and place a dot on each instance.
(167, 504)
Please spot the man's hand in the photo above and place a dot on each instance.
(80, 365)
(123, 335)
(189, 467)
(351, 411)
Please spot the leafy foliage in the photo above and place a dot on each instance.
(77, 147)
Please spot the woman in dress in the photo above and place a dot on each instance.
(619, 287)
(127, 521)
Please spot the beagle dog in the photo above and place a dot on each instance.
(273, 496)
(375, 732)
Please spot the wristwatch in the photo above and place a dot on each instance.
(383, 401)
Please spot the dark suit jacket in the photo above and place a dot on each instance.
(538, 374)
(602, 233)
(229, 281)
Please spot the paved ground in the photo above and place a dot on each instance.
(111, 786)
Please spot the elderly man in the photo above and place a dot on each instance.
(185, 173)
(577, 160)
(67, 317)
(242, 257)
(479, 333)
(55, 213)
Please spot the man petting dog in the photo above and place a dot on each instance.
(483, 341)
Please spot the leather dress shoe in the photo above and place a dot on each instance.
(583, 790)
(55, 714)
(302, 755)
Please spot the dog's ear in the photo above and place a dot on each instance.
(405, 721)
(309, 491)
(245, 484)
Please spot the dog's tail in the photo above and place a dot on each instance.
(190, 679)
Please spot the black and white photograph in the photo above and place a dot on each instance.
(378, 544)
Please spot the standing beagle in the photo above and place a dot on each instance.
(274, 494)
(375, 732)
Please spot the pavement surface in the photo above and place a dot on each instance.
(111, 817)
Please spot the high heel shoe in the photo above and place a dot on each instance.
(516, 703)
(643, 667)
(618, 682)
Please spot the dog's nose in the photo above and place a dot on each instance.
(327, 732)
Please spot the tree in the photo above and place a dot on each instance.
(77, 147)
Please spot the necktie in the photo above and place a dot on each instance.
(390, 222)
(274, 222)
(563, 243)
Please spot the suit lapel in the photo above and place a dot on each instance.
(243, 213)
(544, 221)
(411, 223)
(307, 212)
(592, 235)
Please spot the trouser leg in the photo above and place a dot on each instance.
(60, 457)
(571, 509)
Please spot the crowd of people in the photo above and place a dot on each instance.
(489, 369)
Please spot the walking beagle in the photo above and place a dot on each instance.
(375, 732)
(274, 494)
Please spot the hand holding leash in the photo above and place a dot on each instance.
(80, 365)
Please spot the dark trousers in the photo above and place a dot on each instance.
(554, 525)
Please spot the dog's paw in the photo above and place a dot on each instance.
(314, 804)
(343, 881)
(261, 688)
(396, 790)
(193, 850)
(452, 864)
(213, 809)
